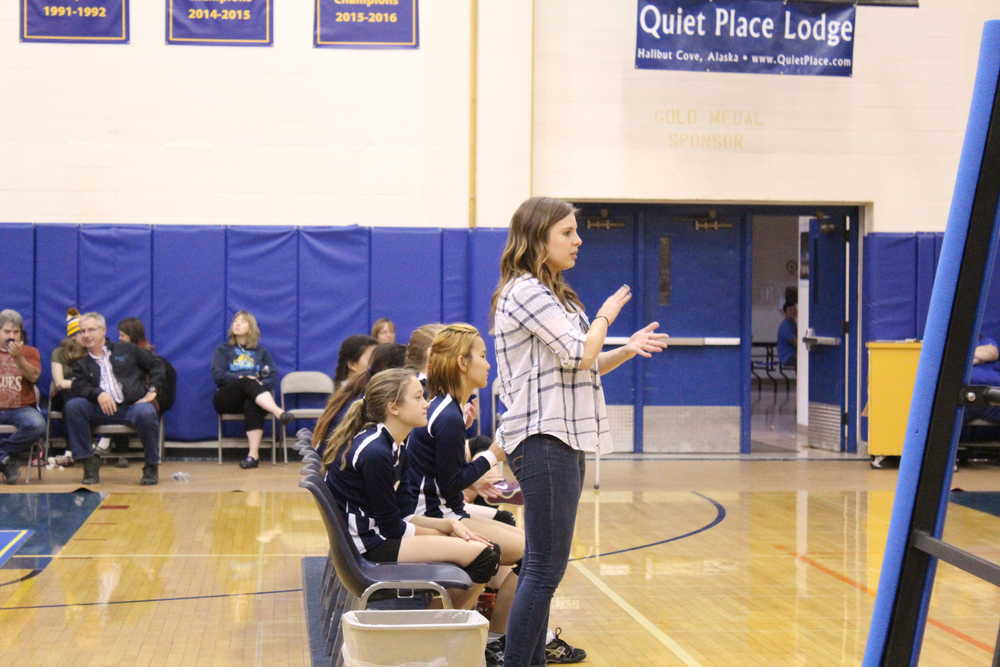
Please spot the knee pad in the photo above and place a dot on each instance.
(516, 569)
(485, 565)
(503, 516)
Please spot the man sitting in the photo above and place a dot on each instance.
(20, 366)
(788, 335)
(113, 383)
(985, 371)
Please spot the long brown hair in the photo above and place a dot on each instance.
(444, 375)
(525, 249)
(384, 388)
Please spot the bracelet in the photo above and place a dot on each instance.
(601, 317)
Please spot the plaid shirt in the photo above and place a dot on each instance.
(539, 344)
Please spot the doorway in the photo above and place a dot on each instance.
(716, 278)
(774, 323)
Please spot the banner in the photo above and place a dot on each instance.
(220, 22)
(74, 21)
(366, 24)
(757, 36)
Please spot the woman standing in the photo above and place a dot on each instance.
(244, 373)
(549, 361)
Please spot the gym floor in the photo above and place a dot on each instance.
(753, 562)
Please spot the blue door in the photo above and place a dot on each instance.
(827, 330)
(696, 285)
(607, 260)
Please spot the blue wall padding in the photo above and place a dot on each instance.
(406, 274)
(928, 249)
(116, 272)
(17, 275)
(262, 278)
(454, 275)
(56, 252)
(890, 262)
(485, 247)
(333, 292)
(189, 318)
(935, 336)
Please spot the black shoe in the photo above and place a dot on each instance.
(249, 462)
(150, 474)
(286, 418)
(494, 652)
(92, 469)
(122, 462)
(10, 469)
(559, 652)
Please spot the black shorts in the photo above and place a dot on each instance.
(387, 552)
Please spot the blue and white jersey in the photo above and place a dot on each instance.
(365, 488)
(436, 471)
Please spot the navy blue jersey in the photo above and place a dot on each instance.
(436, 471)
(365, 488)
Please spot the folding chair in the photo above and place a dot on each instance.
(304, 382)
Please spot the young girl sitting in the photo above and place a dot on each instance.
(436, 471)
(361, 458)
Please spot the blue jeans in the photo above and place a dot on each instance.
(80, 413)
(551, 477)
(30, 428)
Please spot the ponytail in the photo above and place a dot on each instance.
(340, 440)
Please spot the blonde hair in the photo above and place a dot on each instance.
(444, 374)
(420, 341)
(525, 251)
(384, 388)
(253, 333)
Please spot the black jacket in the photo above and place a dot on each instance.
(135, 368)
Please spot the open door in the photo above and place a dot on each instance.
(827, 332)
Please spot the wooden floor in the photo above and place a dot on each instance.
(719, 563)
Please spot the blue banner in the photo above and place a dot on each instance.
(220, 22)
(757, 36)
(74, 21)
(367, 24)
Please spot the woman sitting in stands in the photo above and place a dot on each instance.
(244, 373)
(361, 460)
(384, 330)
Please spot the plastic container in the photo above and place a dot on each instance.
(408, 638)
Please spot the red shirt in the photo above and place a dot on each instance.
(15, 390)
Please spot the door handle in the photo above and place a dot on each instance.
(832, 341)
(685, 341)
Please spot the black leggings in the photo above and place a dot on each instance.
(238, 397)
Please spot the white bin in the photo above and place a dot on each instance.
(408, 638)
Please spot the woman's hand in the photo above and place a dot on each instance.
(470, 411)
(614, 304)
(645, 343)
(498, 451)
(459, 529)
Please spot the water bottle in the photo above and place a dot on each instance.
(181, 477)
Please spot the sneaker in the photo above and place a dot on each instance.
(103, 445)
(559, 652)
(9, 469)
(150, 474)
(122, 462)
(494, 652)
(249, 462)
(92, 469)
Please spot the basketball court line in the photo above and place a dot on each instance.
(861, 587)
(669, 642)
